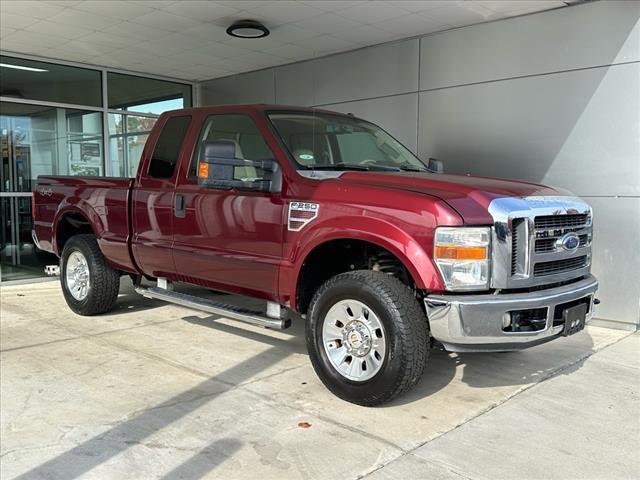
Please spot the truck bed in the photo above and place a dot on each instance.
(102, 202)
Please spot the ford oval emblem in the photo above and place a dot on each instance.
(569, 242)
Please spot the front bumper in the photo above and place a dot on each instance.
(474, 323)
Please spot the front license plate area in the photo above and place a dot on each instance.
(574, 319)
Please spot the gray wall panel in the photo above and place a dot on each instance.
(602, 33)
(252, 87)
(371, 72)
(563, 129)
(295, 84)
(616, 257)
(397, 115)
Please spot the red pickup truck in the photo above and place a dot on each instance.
(327, 219)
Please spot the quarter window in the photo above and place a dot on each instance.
(165, 155)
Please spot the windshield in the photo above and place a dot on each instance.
(320, 141)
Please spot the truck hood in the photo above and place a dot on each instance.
(469, 196)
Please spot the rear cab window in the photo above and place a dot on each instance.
(167, 150)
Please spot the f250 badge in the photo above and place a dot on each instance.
(301, 214)
(45, 192)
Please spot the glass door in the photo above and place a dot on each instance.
(38, 140)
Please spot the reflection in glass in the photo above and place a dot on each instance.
(19, 258)
(146, 95)
(127, 136)
(34, 80)
(37, 140)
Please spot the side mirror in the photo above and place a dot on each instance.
(435, 165)
(218, 163)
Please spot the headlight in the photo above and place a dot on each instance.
(462, 256)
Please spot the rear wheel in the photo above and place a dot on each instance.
(367, 337)
(90, 285)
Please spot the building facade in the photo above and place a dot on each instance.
(67, 119)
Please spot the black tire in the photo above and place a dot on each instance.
(104, 281)
(406, 329)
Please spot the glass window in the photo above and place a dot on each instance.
(146, 95)
(165, 155)
(336, 142)
(19, 257)
(37, 140)
(127, 136)
(33, 80)
(243, 132)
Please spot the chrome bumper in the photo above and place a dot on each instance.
(473, 323)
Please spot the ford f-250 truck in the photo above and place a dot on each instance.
(327, 217)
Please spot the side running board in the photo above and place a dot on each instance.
(205, 305)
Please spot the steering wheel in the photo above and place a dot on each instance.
(368, 161)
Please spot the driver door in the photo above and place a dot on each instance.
(229, 239)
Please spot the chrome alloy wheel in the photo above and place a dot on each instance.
(77, 275)
(354, 340)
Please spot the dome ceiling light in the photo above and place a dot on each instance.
(247, 29)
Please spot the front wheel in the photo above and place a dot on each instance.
(367, 337)
(89, 284)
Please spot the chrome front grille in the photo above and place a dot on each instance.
(544, 245)
(555, 266)
(534, 240)
(560, 221)
(515, 242)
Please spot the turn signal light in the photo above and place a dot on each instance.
(453, 252)
(203, 170)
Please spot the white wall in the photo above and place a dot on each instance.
(552, 97)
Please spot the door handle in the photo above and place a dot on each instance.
(180, 208)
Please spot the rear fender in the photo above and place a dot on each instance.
(81, 208)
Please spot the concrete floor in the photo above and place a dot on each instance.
(157, 391)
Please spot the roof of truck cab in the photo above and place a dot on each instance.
(256, 107)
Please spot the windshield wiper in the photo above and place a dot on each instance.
(339, 166)
(370, 167)
(410, 168)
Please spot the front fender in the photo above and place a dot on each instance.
(373, 230)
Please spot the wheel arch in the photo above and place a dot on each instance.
(377, 235)
(72, 220)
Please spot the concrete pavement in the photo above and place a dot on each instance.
(157, 391)
(582, 423)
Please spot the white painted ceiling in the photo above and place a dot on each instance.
(187, 40)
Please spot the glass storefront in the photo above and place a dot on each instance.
(51, 123)
(38, 140)
(127, 135)
(50, 82)
(146, 95)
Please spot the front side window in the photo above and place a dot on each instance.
(165, 154)
(249, 144)
(319, 141)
